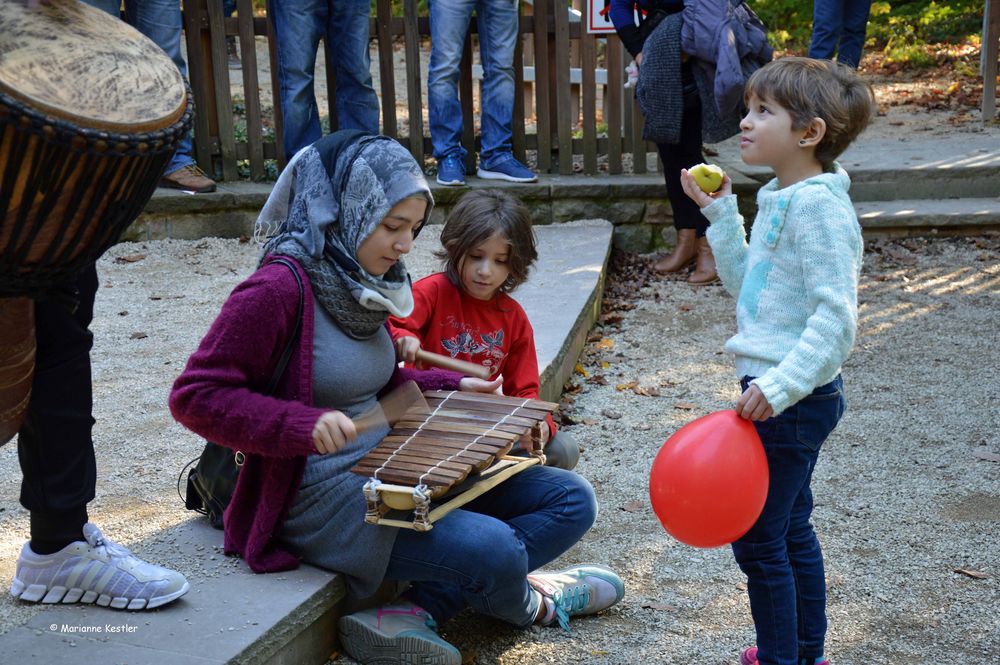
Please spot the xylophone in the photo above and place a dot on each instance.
(456, 447)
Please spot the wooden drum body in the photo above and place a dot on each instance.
(456, 445)
(91, 112)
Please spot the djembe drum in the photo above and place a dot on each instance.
(91, 112)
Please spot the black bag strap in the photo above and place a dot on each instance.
(272, 385)
(279, 369)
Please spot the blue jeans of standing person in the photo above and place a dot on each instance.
(298, 27)
(160, 20)
(498, 29)
(781, 555)
(839, 29)
(479, 555)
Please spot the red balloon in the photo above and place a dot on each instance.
(709, 481)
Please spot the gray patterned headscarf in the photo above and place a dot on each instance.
(328, 200)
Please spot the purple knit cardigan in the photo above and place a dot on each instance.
(219, 396)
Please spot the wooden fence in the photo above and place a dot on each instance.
(573, 122)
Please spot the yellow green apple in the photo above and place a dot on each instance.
(708, 176)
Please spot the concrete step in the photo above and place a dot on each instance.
(231, 615)
(958, 166)
(917, 216)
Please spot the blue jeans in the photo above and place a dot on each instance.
(781, 555)
(839, 28)
(479, 556)
(160, 20)
(298, 27)
(498, 29)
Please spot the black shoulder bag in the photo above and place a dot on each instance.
(211, 482)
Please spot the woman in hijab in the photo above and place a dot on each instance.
(343, 213)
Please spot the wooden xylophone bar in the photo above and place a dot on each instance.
(433, 448)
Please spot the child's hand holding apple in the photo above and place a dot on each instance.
(703, 183)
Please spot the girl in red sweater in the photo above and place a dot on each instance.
(466, 312)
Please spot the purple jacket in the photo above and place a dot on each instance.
(219, 396)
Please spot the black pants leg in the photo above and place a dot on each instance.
(684, 155)
(55, 448)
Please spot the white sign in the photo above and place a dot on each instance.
(599, 17)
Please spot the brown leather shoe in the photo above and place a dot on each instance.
(683, 254)
(189, 177)
(704, 267)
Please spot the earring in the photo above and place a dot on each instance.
(802, 142)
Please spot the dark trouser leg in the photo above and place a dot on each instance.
(684, 155)
(54, 446)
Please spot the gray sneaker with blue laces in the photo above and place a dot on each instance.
(577, 591)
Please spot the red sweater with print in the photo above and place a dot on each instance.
(493, 333)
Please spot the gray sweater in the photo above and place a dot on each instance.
(325, 525)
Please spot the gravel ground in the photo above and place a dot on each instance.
(905, 499)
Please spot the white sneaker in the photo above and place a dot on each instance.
(577, 591)
(96, 570)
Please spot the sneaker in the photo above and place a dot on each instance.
(451, 170)
(577, 591)
(507, 168)
(96, 570)
(188, 177)
(391, 634)
(749, 657)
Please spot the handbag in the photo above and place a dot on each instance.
(210, 484)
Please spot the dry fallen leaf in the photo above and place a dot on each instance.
(606, 343)
(580, 370)
(686, 406)
(138, 335)
(974, 574)
(626, 386)
(633, 506)
(130, 258)
(609, 413)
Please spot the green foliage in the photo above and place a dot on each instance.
(789, 23)
(899, 27)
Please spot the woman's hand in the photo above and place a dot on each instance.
(332, 432)
(696, 194)
(406, 349)
(752, 405)
(473, 384)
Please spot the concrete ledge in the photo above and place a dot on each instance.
(230, 615)
(563, 296)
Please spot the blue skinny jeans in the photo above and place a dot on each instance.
(479, 556)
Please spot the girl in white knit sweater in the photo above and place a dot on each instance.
(795, 282)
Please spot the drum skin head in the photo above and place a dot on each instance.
(81, 65)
